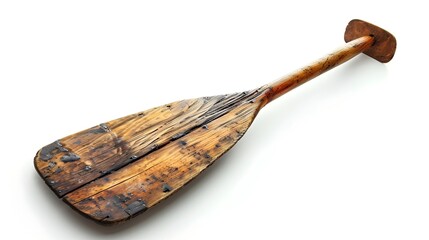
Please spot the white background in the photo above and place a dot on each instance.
(342, 157)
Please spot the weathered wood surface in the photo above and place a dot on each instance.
(116, 170)
(162, 148)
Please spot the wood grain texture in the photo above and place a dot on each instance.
(162, 148)
(144, 183)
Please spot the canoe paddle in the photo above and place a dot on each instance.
(118, 169)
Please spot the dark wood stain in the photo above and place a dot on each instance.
(49, 151)
(166, 188)
(136, 207)
(70, 157)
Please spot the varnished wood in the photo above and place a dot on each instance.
(118, 169)
(318, 67)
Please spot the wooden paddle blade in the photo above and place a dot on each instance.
(118, 169)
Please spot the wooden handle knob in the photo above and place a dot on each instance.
(384, 46)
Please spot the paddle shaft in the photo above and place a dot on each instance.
(301, 76)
